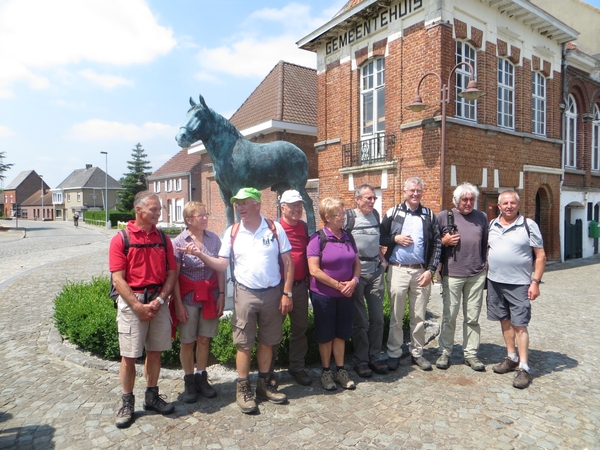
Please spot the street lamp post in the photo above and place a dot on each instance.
(42, 178)
(471, 93)
(106, 188)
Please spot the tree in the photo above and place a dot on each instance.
(134, 181)
(3, 167)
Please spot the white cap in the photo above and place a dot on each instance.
(291, 196)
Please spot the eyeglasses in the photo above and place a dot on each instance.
(371, 198)
(244, 203)
(467, 200)
(414, 191)
(338, 216)
(201, 216)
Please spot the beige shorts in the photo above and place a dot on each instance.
(134, 334)
(196, 325)
(252, 307)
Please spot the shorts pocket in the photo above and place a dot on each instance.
(124, 328)
(240, 324)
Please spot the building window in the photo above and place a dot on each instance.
(372, 103)
(59, 214)
(78, 197)
(160, 219)
(465, 109)
(538, 104)
(571, 133)
(157, 187)
(68, 197)
(168, 185)
(506, 94)
(596, 139)
(179, 210)
(178, 185)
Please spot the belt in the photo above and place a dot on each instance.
(246, 288)
(297, 282)
(142, 289)
(408, 266)
(369, 258)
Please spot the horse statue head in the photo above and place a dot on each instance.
(196, 126)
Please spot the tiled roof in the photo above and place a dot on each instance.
(14, 184)
(36, 199)
(182, 162)
(288, 93)
(90, 177)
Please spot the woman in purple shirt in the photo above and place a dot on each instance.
(334, 268)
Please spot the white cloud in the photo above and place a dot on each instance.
(96, 129)
(41, 33)
(269, 35)
(6, 132)
(104, 80)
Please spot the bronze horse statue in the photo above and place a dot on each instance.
(239, 163)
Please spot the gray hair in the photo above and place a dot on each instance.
(142, 196)
(357, 191)
(462, 190)
(414, 180)
(511, 192)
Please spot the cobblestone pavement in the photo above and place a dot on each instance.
(49, 402)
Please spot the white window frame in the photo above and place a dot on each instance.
(157, 187)
(538, 104)
(570, 150)
(168, 185)
(596, 140)
(506, 94)
(178, 210)
(465, 109)
(372, 108)
(79, 197)
(178, 185)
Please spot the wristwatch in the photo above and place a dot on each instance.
(288, 294)
(536, 280)
(160, 300)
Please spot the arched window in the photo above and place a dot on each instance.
(571, 133)
(596, 139)
(538, 104)
(506, 94)
(465, 109)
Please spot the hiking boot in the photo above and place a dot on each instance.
(506, 365)
(190, 392)
(522, 379)
(475, 364)
(363, 371)
(327, 381)
(267, 388)
(244, 397)
(203, 386)
(379, 367)
(422, 363)
(344, 380)
(156, 402)
(301, 377)
(125, 414)
(443, 362)
(393, 363)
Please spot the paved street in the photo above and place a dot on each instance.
(52, 397)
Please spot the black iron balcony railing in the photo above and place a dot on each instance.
(368, 151)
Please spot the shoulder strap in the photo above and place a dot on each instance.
(527, 227)
(125, 237)
(273, 229)
(350, 220)
(322, 242)
(163, 238)
(377, 217)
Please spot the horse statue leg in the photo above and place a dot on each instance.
(308, 207)
(226, 196)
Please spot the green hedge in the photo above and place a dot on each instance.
(84, 313)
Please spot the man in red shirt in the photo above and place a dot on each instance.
(297, 233)
(144, 278)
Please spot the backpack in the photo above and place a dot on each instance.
(114, 295)
(234, 231)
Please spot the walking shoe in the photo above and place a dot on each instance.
(379, 367)
(422, 363)
(301, 377)
(203, 386)
(506, 365)
(267, 388)
(125, 414)
(475, 364)
(522, 379)
(190, 392)
(363, 371)
(393, 363)
(244, 397)
(443, 362)
(156, 402)
(327, 381)
(344, 380)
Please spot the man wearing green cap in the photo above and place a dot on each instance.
(254, 245)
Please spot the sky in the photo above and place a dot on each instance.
(80, 77)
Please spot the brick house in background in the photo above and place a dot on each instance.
(26, 184)
(176, 182)
(282, 108)
(370, 59)
(32, 207)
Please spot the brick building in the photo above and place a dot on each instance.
(282, 108)
(24, 186)
(177, 182)
(371, 58)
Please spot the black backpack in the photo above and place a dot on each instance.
(114, 295)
